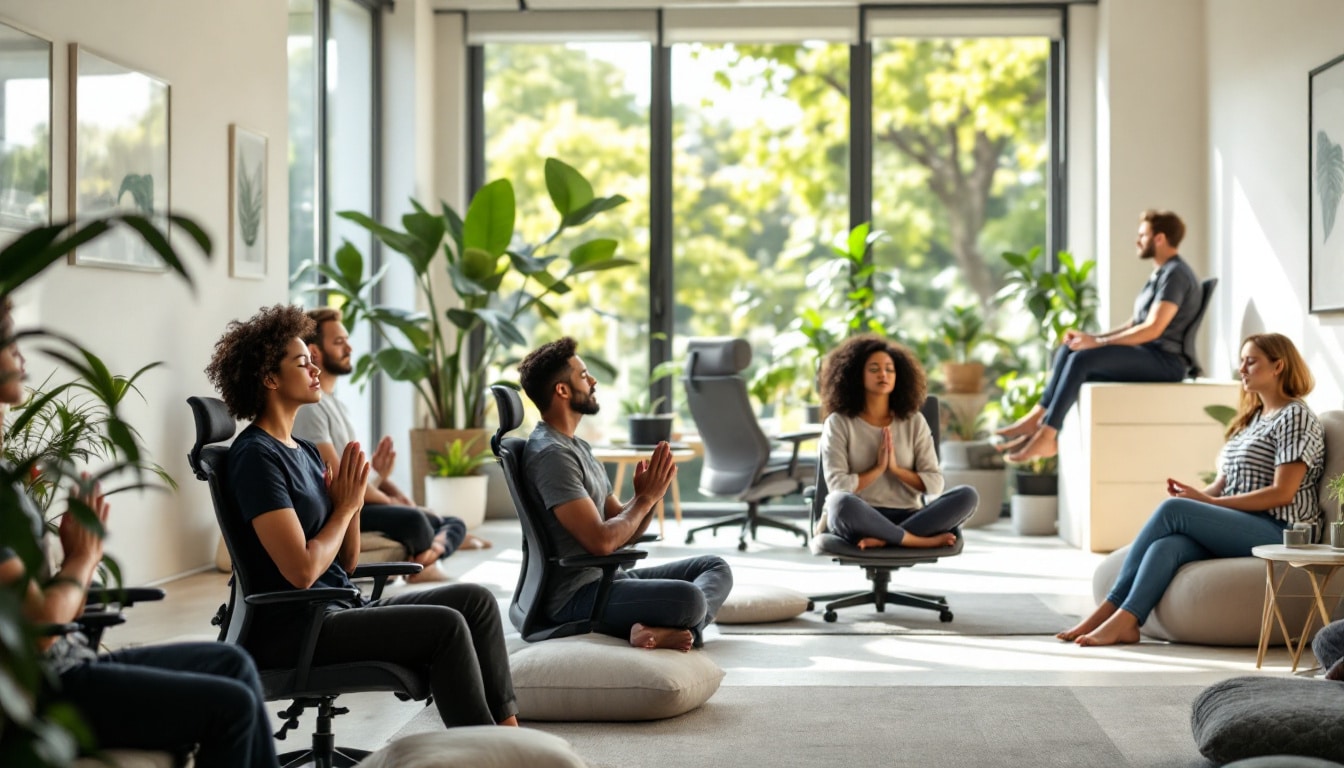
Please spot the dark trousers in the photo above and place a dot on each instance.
(1107, 363)
(171, 697)
(686, 594)
(452, 632)
(851, 518)
(413, 528)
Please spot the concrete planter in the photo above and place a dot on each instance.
(1035, 515)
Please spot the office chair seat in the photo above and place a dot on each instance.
(335, 679)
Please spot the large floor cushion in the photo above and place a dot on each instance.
(1253, 716)
(761, 603)
(600, 678)
(480, 746)
(1217, 602)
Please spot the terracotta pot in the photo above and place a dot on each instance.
(424, 440)
(964, 378)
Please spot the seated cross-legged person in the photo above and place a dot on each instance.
(877, 452)
(304, 533)
(1267, 476)
(666, 606)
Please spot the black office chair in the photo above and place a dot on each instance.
(1190, 347)
(541, 564)
(738, 461)
(308, 686)
(879, 563)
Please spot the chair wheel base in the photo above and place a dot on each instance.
(830, 617)
(741, 546)
(945, 617)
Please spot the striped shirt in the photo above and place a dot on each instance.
(1251, 456)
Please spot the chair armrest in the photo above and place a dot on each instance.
(619, 557)
(301, 596)
(797, 437)
(92, 624)
(381, 573)
(125, 597)
(56, 630)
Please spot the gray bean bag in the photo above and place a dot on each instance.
(1263, 716)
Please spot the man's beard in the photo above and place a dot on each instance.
(588, 406)
(336, 367)
(1148, 252)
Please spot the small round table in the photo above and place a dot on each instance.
(1319, 561)
(622, 456)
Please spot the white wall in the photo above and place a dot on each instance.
(1259, 55)
(226, 63)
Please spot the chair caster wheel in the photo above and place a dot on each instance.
(741, 546)
(811, 606)
(945, 616)
(830, 617)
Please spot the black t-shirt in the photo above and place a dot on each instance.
(266, 475)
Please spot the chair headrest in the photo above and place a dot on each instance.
(716, 356)
(510, 408)
(213, 425)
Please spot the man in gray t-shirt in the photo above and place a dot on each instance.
(665, 606)
(1150, 347)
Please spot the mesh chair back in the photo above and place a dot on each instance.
(929, 410)
(1190, 347)
(736, 450)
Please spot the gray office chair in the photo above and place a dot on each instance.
(879, 563)
(738, 463)
(1191, 349)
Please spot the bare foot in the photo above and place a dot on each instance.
(1013, 444)
(870, 543)
(430, 556)
(1121, 628)
(928, 542)
(1101, 614)
(472, 541)
(1041, 445)
(511, 720)
(660, 637)
(431, 573)
(1023, 426)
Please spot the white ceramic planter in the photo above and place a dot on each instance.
(990, 484)
(462, 497)
(1034, 515)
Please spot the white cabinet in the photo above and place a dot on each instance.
(1119, 445)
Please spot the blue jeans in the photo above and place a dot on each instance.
(173, 697)
(851, 518)
(1108, 363)
(1182, 531)
(686, 594)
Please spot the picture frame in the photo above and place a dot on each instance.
(1325, 254)
(119, 156)
(25, 129)
(248, 199)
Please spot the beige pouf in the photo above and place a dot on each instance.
(600, 678)
(480, 746)
(759, 604)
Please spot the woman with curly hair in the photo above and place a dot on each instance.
(305, 533)
(877, 451)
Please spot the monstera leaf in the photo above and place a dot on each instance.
(1329, 179)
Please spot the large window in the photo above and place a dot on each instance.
(586, 104)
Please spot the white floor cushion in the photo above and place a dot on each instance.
(480, 746)
(600, 678)
(759, 603)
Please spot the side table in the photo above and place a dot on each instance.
(1319, 562)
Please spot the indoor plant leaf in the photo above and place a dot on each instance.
(1329, 179)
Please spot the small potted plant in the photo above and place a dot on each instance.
(1334, 490)
(648, 426)
(454, 485)
(961, 331)
(968, 458)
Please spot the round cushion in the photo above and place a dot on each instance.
(1216, 602)
(758, 604)
(1256, 716)
(600, 678)
(480, 746)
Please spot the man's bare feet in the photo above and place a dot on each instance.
(661, 637)
(1041, 445)
(928, 542)
(1101, 614)
(430, 574)
(511, 720)
(472, 541)
(870, 542)
(1013, 444)
(1121, 628)
(1023, 426)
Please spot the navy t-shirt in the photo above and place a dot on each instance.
(266, 475)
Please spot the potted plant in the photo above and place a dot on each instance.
(969, 459)
(960, 331)
(450, 354)
(1334, 491)
(454, 484)
(649, 426)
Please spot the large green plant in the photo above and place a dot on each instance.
(1060, 300)
(482, 258)
(47, 732)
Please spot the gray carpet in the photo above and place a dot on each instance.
(972, 614)
(855, 727)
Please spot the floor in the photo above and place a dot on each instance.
(995, 561)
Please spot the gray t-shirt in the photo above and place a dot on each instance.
(1175, 282)
(325, 421)
(562, 469)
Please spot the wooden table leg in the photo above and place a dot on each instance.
(1266, 623)
(620, 479)
(1318, 608)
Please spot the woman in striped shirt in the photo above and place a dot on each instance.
(1267, 478)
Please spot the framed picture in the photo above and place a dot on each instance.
(25, 129)
(119, 160)
(1325, 257)
(247, 202)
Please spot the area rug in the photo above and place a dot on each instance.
(858, 727)
(972, 614)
